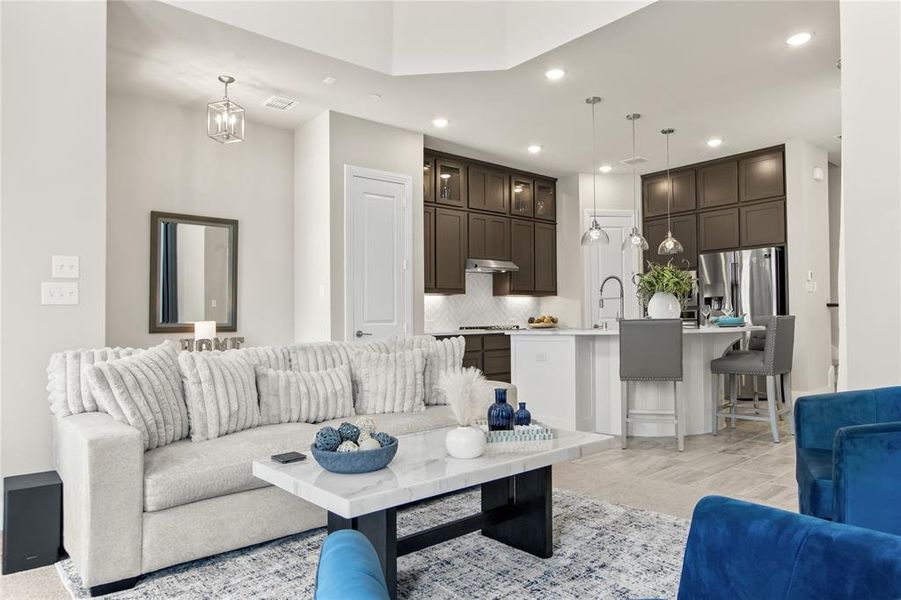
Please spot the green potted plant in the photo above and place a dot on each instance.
(663, 290)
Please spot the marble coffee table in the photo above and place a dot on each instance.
(516, 493)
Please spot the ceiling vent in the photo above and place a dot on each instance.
(279, 103)
(635, 160)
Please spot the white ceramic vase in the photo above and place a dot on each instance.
(465, 442)
(664, 306)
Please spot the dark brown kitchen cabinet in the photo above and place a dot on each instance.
(761, 177)
(522, 252)
(428, 238)
(450, 182)
(763, 224)
(718, 184)
(489, 236)
(684, 230)
(718, 230)
(656, 191)
(473, 359)
(522, 198)
(490, 353)
(487, 189)
(450, 250)
(545, 200)
(428, 179)
(545, 258)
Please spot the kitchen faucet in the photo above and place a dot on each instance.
(622, 306)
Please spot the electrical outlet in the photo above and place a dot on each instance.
(57, 293)
(65, 267)
(811, 287)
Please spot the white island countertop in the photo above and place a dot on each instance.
(708, 330)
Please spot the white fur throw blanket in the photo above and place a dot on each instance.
(389, 382)
(144, 391)
(304, 396)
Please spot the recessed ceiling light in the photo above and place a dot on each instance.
(555, 74)
(440, 122)
(534, 149)
(329, 80)
(605, 168)
(799, 39)
(374, 96)
(714, 142)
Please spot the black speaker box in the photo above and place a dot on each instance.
(32, 521)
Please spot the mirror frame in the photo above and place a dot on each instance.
(156, 218)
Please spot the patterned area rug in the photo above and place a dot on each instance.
(601, 550)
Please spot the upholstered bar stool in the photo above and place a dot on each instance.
(651, 350)
(773, 362)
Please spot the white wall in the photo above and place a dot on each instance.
(807, 218)
(160, 159)
(353, 141)
(52, 201)
(870, 255)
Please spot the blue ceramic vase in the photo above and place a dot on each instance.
(500, 414)
(522, 416)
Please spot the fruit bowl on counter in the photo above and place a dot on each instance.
(543, 322)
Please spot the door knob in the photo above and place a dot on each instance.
(360, 333)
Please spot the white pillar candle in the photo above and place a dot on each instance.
(204, 330)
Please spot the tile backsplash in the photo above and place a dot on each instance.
(477, 307)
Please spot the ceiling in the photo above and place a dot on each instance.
(704, 68)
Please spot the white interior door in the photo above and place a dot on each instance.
(378, 248)
(604, 260)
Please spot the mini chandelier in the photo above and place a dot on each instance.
(594, 235)
(635, 240)
(224, 118)
(669, 245)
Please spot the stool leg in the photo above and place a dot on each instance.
(789, 402)
(733, 396)
(773, 406)
(754, 382)
(679, 413)
(716, 404)
(625, 413)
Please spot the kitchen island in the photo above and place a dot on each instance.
(570, 379)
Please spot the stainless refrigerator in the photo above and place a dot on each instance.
(751, 282)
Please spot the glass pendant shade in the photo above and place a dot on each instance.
(670, 245)
(224, 118)
(595, 235)
(635, 241)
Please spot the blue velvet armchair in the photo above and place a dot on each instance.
(745, 551)
(848, 455)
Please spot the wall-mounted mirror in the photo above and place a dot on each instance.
(193, 272)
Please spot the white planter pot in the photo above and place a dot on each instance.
(664, 306)
(465, 442)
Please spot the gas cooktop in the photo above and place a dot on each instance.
(490, 327)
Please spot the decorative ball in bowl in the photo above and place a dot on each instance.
(349, 450)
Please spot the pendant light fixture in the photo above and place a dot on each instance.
(594, 234)
(635, 241)
(669, 245)
(224, 118)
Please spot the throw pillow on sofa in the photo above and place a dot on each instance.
(270, 357)
(304, 396)
(221, 391)
(441, 357)
(145, 392)
(69, 390)
(318, 356)
(388, 382)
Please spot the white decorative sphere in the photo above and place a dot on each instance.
(465, 442)
(369, 443)
(365, 425)
(347, 446)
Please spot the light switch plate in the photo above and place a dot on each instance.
(65, 267)
(59, 293)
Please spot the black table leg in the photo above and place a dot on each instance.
(531, 527)
(381, 530)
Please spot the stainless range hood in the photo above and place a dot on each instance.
(484, 265)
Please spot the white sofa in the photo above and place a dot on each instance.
(128, 512)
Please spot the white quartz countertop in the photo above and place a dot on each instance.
(707, 330)
(421, 469)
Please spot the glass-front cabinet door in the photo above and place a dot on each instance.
(523, 194)
(428, 179)
(450, 187)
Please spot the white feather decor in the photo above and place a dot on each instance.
(465, 391)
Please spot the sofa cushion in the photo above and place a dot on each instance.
(814, 475)
(304, 396)
(186, 472)
(271, 357)
(389, 382)
(68, 389)
(318, 356)
(441, 356)
(221, 391)
(144, 391)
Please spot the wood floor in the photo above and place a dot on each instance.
(650, 474)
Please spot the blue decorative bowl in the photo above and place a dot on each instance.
(730, 321)
(361, 461)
